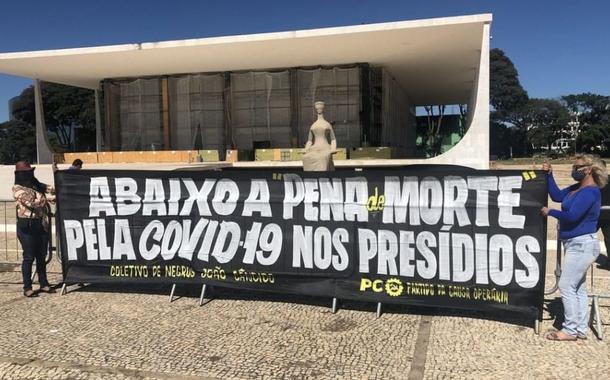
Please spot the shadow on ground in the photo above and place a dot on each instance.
(220, 293)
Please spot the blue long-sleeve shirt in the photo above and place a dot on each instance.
(579, 210)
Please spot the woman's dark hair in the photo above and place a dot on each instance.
(77, 162)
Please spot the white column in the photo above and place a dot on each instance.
(43, 148)
(98, 123)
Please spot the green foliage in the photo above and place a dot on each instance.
(17, 142)
(594, 139)
(506, 94)
(64, 107)
(545, 120)
(507, 98)
(592, 112)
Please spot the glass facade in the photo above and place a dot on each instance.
(248, 110)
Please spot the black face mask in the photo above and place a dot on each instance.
(578, 175)
(26, 178)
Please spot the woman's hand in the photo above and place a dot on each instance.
(547, 167)
(545, 211)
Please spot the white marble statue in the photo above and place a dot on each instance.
(321, 144)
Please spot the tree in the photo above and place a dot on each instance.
(17, 142)
(591, 116)
(545, 119)
(433, 139)
(506, 94)
(594, 139)
(507, 98)
(64, 108)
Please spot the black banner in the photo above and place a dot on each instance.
(422, 235)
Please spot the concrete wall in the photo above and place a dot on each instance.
(473, 149)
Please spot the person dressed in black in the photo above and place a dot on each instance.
(33, 200)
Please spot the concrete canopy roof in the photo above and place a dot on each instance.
(434, 60)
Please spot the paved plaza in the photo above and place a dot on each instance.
(107, 333)
(101, 332)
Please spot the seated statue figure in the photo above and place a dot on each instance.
(321, 144)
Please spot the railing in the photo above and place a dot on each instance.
(10, 248)
(9, 245)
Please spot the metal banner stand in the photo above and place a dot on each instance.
(202, 296)
(64, 289)
(171, 294)
(596, 317)
(378, 314)
(334, 308)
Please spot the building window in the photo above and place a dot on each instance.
(260, 109)
(135, 114)
(197, 112)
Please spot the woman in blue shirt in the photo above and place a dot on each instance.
(580, 207)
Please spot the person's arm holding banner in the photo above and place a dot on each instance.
(555, 192)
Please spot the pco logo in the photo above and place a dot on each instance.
(393, 286)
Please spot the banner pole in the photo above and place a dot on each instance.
(378, 310)
(202, 296)
(334, 308)
(171, 294)
(63, 289)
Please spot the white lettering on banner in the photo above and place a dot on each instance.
(223, 227)
(155, 249)
(99, 197)
(456, 195)
(225, 250)
(258, 199)
(197, 195)
(206, 245)
(318, 196)
(431, 200)
(154, 198)
(225, 197)
(387, 251)
(122, 241)
(482, 186)
(507, 201)
(74, 238)
(463, 257)
(444, 252)
(398, 200)
(526, 246)
(356, 197)
(407, 253)
(482, 275)
(172, 239)
(104, 249)
(90, 239)
(500, 259)
(331, 199)
(191, 239)
(294, 194)
(174, 196)
(311, 196)
(319, 248)
(453, 257)
(427, 267)
(127, 199)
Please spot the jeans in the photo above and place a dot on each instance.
(580, 253)
(34, 241)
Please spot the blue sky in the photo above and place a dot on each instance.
(559, 47)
